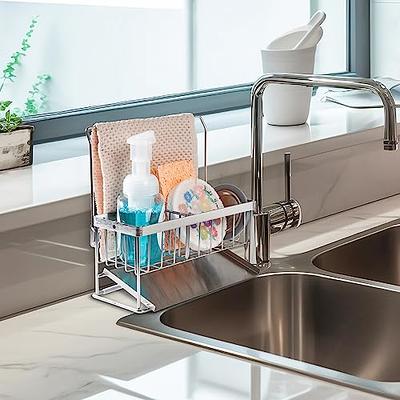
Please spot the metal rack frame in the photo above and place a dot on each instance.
(129, 278)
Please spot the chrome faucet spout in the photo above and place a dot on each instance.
(390, 141)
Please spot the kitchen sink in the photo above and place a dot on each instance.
(374, 257)
(322, 321)
(331, 313)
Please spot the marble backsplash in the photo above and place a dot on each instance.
(45, 262)
(334, 181)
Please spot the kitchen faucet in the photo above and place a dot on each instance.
(287, 214)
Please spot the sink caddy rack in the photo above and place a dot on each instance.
(145, 284)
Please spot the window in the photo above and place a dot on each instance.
(230, 33)
(385, 31)
(102, 52)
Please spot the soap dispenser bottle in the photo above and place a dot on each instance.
(141, 204)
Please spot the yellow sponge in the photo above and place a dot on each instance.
(170, 174)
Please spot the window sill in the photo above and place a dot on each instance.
(56, 188)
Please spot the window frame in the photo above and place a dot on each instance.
(358, 37)
(72, 123)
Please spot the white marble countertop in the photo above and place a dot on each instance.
(74, 349)
(44, 192)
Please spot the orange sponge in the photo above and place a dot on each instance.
(172, 173)
(169, 175)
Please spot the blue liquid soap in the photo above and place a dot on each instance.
(141, 204)
(149, 246)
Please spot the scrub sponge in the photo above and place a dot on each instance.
(171, 174)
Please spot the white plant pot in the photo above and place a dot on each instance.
(283, 104)
(16, 148)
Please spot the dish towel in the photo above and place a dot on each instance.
(175, 141)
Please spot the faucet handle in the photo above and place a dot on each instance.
(288, 177)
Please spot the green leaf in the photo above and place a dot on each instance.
(15, 58)
(10, 121)
(5, 104)
(37, 99)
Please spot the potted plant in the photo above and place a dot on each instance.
(15, 139)
(16, 148)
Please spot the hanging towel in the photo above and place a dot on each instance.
(175, 141)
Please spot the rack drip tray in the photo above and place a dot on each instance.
(166, 287)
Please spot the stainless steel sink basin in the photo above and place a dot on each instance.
(331, 313)
(334, 324)
(375, 257)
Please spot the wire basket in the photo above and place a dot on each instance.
(128, 269)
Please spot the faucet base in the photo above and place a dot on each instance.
(274, 218)
(284, 215)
